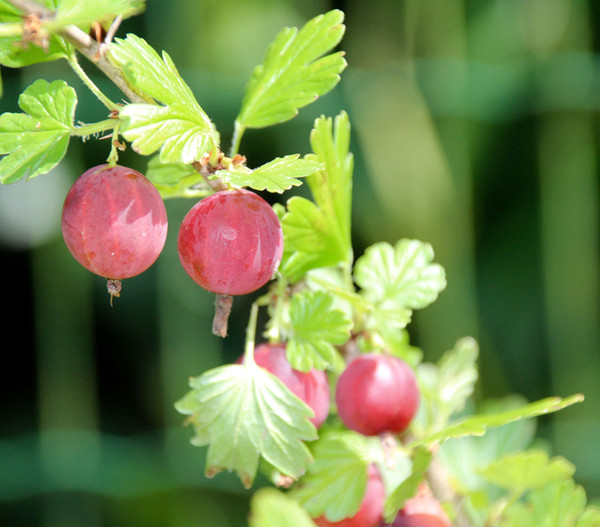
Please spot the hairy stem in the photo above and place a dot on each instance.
(76, 67)
(94, 128)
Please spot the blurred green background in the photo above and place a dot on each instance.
(475, 128)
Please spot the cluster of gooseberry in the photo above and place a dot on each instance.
(114, 223)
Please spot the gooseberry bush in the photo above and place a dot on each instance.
(329, 401)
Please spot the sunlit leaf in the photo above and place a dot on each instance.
(527, 470)
(80, 13)
(478, 424)
(293, 74)
(315, 327)
(243, 412)
(335, 483)
(271, 508)
(35, 141)
(276, 176)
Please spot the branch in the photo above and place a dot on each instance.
(85, 44)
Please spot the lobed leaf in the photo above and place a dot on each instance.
(176, 179)
(523, 471)
(179, 128)
(292, 74)
(397, 279)
(315, 327)
(35, 141)
(270, 507)
(422, 458)
(334, 485)
(276, 176)
(477, 425)
(181, 136)
(317, 234)
(243, 412)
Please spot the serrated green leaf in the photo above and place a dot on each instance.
(76, 12)
(315, 327)
(318, 234)
(560, 503)
(243, 412)
(176, 180)
(34, 142)
(180, 129)
(408, 488)
(180, 136)
(523, 471)
(335, 483)
(477, 425)
(276, 176)
(397, 279)
(271, 508)
(292, 74)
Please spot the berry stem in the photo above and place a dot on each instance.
(94, 128)
(223, 305)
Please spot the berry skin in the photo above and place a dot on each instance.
(114, 222)
(376, 394)
(311, 387)
(231, 242)
(423, 510)
(371, 509)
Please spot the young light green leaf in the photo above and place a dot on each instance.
(270, 507)
(243, 412)
(408, 488)
(179, 128)
(397, 279)
(176, 180)
(76, 12)
(478, 424)
(560, 503)
(334, 485)
(35, 141)
(458, 374)
(292, 74)
(523, 471)
(315, 327)
(276, 176)
(318, 234)
(180, 135)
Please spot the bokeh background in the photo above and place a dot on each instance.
(475, 128)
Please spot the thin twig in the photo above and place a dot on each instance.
(85, 44)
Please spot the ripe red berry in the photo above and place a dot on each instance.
(114, 221)
(377, 393)
(311, 387)
(371, 509)
(423, 510)
(231, 242)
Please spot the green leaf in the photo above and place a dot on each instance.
(336, 482)
(35, 141)
(179, 128)
(271, 508)
(180, 136)
(315, 327)
(276, 176)
(243, 412)
(76, 12)
(560, 503)
(292, 74)
(478, 424)
(318, 234)
(408, 488)
(523, 471)
(398, 279)
(176, 180)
